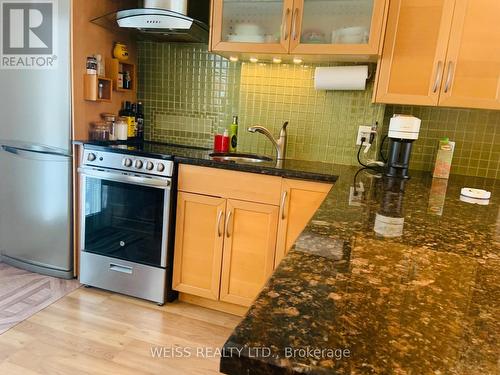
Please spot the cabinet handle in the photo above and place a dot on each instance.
(294, 21)
(284, 25)
(283, 202)
(219, 230)
(438, 76)
(227, 224)
(449, 78)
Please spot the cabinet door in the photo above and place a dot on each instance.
(300, 200)
(337, 27)
(258, 26)
(249, 249)
(198, 245)
(472, 77)
(413, 58)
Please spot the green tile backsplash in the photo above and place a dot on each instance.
(322, 125)
(190, 93)
(187, 92)
(476, 134)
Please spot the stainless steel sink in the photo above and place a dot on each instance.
(237, 157)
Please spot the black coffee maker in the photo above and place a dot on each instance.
(403, 131)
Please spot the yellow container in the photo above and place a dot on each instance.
(120, 51)
(130, 126)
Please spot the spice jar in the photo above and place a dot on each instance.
(99, 131)
(110, 118)
(121, 129)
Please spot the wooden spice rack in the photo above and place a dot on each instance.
(112, 70)
(91, 88)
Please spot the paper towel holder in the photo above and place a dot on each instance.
(371, 72)
(343, 77)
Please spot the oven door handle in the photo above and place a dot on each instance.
(163, 183)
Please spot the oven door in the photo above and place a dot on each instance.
(125, 216)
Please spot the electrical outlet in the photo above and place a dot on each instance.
(363, 131)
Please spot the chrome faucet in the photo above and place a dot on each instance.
(279, 143)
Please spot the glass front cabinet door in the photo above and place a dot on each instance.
(299, 27)
(254, 26)
(341, 27)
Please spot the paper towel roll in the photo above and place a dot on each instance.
(341, 77)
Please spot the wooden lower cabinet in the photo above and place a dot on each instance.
(227, 248)
(249, 247)
(300, 200)
(198, 244)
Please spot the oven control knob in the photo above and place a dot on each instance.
(127, 162)
(91, 157)
(138, 164)
(160, 167)
(149, 166)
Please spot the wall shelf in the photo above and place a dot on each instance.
(114, 66)
(91, 88)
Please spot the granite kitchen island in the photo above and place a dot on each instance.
(389, 277)
(349, 300)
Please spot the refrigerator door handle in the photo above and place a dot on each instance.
(43, 153)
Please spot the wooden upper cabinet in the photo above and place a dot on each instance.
(260, 26)
(198, 244)
(298, 27)
(441, 53)
(414, 54)
(336, 27)
(300, 200)
(472, 77)
(249, 247)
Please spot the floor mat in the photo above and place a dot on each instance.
(24, 293)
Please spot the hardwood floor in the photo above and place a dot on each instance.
(23, 293)
(91, 331)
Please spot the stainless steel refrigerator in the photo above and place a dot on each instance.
(35, 143)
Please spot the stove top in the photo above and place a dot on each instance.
(120, 157)
(165, 151)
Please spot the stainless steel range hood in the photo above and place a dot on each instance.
(165, 25)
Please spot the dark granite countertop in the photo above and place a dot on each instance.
(298, 169)
(424, 302)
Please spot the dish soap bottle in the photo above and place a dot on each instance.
(233, 135)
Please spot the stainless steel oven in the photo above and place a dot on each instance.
(125, 206)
